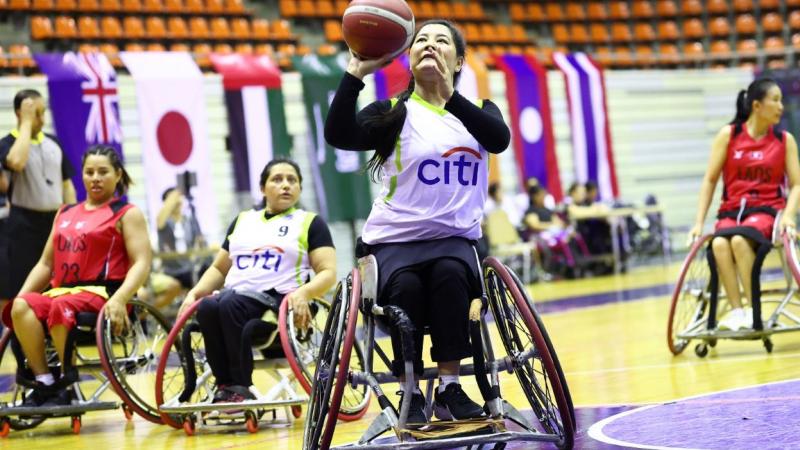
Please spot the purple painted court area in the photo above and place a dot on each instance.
(763, 417)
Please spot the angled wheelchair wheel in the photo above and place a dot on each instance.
(182, 375)
(688, 311)
(791, 249)
(130, 360)
(333, 363)
(302, 348)
(526, 346)
(11, 393)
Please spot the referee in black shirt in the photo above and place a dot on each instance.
(39, 184)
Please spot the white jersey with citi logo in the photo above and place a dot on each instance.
(282, 265)
(434, 183)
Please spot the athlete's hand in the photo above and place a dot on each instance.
(440, 73)
(118, 313)
(27, 111)
(787, 224)
(190, 298)
(298, 304)
(359, 67)
(694, 234)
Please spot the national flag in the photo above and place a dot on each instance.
(256, 118)
(392, 79)
(531, 122)
(342, 186)
(588, 117)
(474, 83)
(173, 129)
(82, 90)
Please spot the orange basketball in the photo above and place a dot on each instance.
(373, 28)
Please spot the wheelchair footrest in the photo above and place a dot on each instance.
(57, 411)
(246, 405)
(455, 428)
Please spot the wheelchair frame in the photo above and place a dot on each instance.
(110, 369)
(546, 391)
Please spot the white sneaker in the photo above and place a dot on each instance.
(734, 320)
(748, 317)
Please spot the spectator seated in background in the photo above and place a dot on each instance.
(588, 217)
(501, 237)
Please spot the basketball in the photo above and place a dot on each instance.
(373, 28)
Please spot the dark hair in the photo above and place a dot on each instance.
(494, 188)
(573, 187)
(756, 91)
(22, 95)
(167, 192)
(275, 162)
(116, 162)
(591, 185)
(393, 119)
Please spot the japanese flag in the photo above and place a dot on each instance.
(173, 128)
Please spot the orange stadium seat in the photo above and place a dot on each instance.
(3, 57)
(518, 33)
(645, 56)
(535, 13)
(460, 11)
(597, 11)
(42, 5)
(772, 23)
(240, 28)
(599, 33)
(176, 28)
(131, 6)
(741, 6)
(796, 40)
(720, 49)
(201, 52)
(693, 51)
(220, 29)
(235, 7)
(215, 7)
(281, 29)
(155, 28)
(643, 32)
(287, 8)
(41, 28)
(65, 28)
(502, 32)
(198, 28)
(325, 9)
(717, 7)
(517, 12)
(623, 57)
(133, 28)
(620, 32)
(179, 47)
(475, 10)
(719, 27)
(332, 30)
(90, 6)
(472, 32)
(560, 33)
(668, 54)
(194, 7)
(19, 5)
(693, 28)
(152, 6)
(302, 50)
(173, 6)
(20, 57)
(155, 47)
(260, 29)
(774, 44)
(112, 53)
(642, 9)
(794, 20)
(264, 49)
(224, 49)
(747, 47)
(575, 11)
(87, 28)
(668, 30)
(110, 6)
(243, 49)
(579, 34)
(553, 12)
(691, 7)
(66, 5)
(425, 10)
(769, 5)
(443, 8)
(488, 33)
(134, 47)
(667, 9)
(327, 50)
(745, 25)
(603, 56)
(341, 6)
(110, 28)
(619, 10)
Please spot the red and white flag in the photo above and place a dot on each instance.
(173, 128)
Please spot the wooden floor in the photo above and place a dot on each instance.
(609, 333)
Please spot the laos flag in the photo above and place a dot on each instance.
(531, 123)
(393, 79)
(82, 90)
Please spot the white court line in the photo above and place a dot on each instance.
(596, 430)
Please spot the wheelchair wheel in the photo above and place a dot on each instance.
(183, 376)
(11, 393)
(689, 307)
(330, 376)
(302, 348)
(520, 332)
(792, 253)
(130, 360)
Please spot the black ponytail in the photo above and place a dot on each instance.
(756, 91)
(391, 122)
(116, 162)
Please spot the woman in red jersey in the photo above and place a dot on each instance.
(98, 253)
(755, 160)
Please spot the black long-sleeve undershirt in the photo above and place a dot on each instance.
(345, 129)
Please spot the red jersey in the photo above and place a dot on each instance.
(754, 171)
(88, 249)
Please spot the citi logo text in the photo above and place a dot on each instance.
(432, 171)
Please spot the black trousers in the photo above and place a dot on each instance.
(435, 294)
(28, 231)
(222, 318)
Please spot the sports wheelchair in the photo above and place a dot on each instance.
(528, 353)
(697, 301)
(126, 363)
(185, 383)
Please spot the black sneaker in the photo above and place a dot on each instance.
(221, 395)
(453, 403)
(416, 411)
(60, 398)
(36, 398)
(238, 394)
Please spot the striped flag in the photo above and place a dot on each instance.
(256, 118)
(588, 114)
(531, 122)
(392, 79)
(474, 83)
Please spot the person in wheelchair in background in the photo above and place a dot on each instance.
(754, 158)
(98, 253)
(267, 254)
(431, 148)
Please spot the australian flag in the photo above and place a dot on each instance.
(84, 103)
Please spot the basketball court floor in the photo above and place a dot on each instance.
(629, 390)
